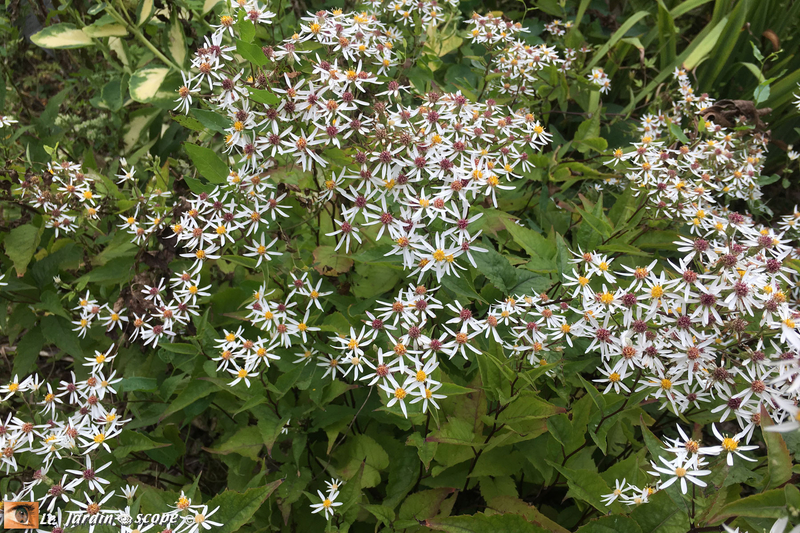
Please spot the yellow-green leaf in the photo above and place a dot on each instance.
(146, 82)
(105, 30)
(144, 11)
(61, 35)
(177, 41)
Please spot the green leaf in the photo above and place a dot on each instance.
(661, 515)
(247, 262)
(725, 45)
(599, 223)
(704, 46)
(496, 268)
(627, 249)
(769, 504)
(667, 36)
(117, 270)
(677, 131)
(597, 144)
(189, 122)
(493, 379)
(563, 256)
(137, 383)
(20, 245)
(247, 441)
(264, 97)
(179, 347)
(112, 94)
(761, 93)
(779, 461)
(383, 513)
(145, 83)
(359, 450)
(767, 180)
(619, 34)
(212, 120)
(685, 6)
(461, 75)
(195, 390)
(658, 239)
(611, 524)
(534, 243)
(208, 163)
(509, 504)
(462, 287)
(58, 331)
(135, 441)
(653, 443)
(329, 262)
(425, 449)
(253, 54)
(62, 35)
(237, 509)
(176, 39)
(597, 397)
(423, 505)
(483, 523)
(585, 485)
(144, 11)
(28, 350)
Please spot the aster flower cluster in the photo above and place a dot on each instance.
(715, 165)
(86, 429)
(684, 461)
(68, 432)
(64, 194)
(61, 426)
(411, 165)
(713, 327)
(462, 152)
(413, 13)
(515, 65)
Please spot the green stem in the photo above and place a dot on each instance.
(140, 36)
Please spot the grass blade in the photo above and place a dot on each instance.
(619, 34)
(725, 45)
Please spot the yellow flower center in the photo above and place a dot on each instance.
(657, 291)
(729, 444)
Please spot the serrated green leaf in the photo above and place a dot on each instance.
(20, 244)
(237, 509)
(264, 97)
(207, 163)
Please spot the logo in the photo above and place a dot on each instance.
(20, 515)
